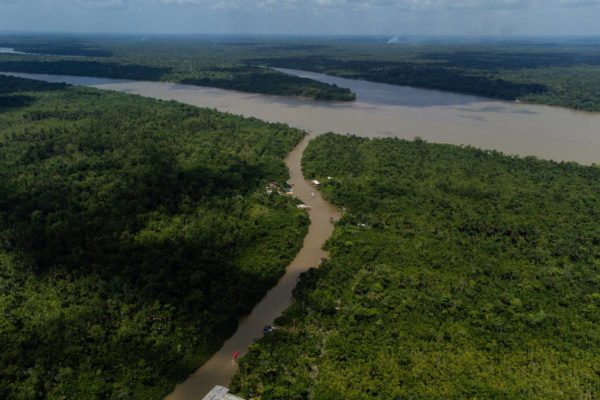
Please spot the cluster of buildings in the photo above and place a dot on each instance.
(273, 187)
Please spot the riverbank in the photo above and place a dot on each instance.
(152, 235)
(465, 268)
(383, 110)
(220, 368)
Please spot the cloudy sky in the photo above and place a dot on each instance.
(388, 17)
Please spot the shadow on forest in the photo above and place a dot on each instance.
(9, 102)
(149, 276)
(133, 235)
(13, 85)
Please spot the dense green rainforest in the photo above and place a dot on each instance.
(455, 273)
(133, 234)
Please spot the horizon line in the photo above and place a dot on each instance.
(314, 35)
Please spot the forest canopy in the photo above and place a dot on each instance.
(133, 235)
(454, 273)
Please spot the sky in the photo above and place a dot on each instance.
(354, 17)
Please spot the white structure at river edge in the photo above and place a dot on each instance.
(220, 393)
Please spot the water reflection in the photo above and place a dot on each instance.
(500, 109)
(385, 94)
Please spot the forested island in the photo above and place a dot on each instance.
(194, 62)
(133, 235)
(455, 273)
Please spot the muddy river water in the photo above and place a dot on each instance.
(380, 111)
(383, 110)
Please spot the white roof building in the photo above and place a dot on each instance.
(220, 393)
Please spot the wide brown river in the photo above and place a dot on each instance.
(388, 110)
(380, 111)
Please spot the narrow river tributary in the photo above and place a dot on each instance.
(220, 368)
